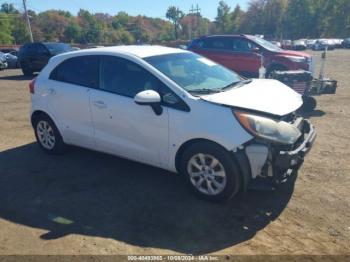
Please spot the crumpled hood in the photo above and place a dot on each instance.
(264, 95)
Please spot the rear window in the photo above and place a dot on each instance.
(82, 70)
(218, 43)
(58, 48)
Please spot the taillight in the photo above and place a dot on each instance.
(31, 86)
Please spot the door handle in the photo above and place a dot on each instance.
(99, 104)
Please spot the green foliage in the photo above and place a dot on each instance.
(5, 29)
(175, 15)
(8, 9)
(223, 18)
(273, 18)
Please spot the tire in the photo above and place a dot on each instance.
(26, 70)
(272, 69)
(218, 183)
(309, 104)
(47, 135)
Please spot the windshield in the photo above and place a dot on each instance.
(194, 73)
(266, 44)
(58, 48)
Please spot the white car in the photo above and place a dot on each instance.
(172, 109)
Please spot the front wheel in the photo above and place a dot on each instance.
(210, 171)
(48, 136)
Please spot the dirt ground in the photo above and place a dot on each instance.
(85, 202)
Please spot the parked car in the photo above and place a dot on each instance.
(3, 61)
(172, 109)
(338, 43)
(310, 43)
(346, 43)
(243, 54)
(321, 45)
(15, 53)
(276, 43)
(286, 44)
(34, 56)
(8, 50)
(299, 45)
(11, 60)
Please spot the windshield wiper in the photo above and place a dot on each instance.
(204, 91)
(236, 84)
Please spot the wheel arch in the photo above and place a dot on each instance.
(37, 113)
(239, 157)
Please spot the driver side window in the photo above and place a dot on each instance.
(123, 77)
(243, 45)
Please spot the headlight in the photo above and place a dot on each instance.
(296, 59)
(269, 129)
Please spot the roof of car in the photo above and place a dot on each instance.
(141, 51)
(228, 35)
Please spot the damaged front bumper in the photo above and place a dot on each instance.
(275, 163)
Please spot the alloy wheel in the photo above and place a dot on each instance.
(207, 174)
(46, 135)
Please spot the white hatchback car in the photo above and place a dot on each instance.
(172, 109)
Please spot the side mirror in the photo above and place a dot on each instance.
(255, 49)
(149, 98)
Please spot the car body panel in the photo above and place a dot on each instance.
(248, 63)
(204, 121)
(264, 95)
(122, 127)
(34, 56)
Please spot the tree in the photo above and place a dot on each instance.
(175, 15)
(53, 25)
(73, 32)
(236, 18)
(5, 29)
(92, 32)
(272, 17)
(121, 20)
(298, 21)
(8, 9)
(223, 20)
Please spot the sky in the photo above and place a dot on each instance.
(152, 8)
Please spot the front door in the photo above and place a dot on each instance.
(247, 60)
(121, 126)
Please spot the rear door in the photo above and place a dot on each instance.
(68, 90)
(218, 49)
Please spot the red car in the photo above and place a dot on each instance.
(245, 53)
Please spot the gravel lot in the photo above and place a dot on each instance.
(85, 202)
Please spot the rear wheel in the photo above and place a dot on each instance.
(210, 171)
(26, 70)
(48, 136)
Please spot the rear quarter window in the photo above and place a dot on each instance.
(82, 71)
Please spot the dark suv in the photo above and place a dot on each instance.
(34, 56)
(244, 54)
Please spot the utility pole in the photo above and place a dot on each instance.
(28, 22)
(194, 12)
